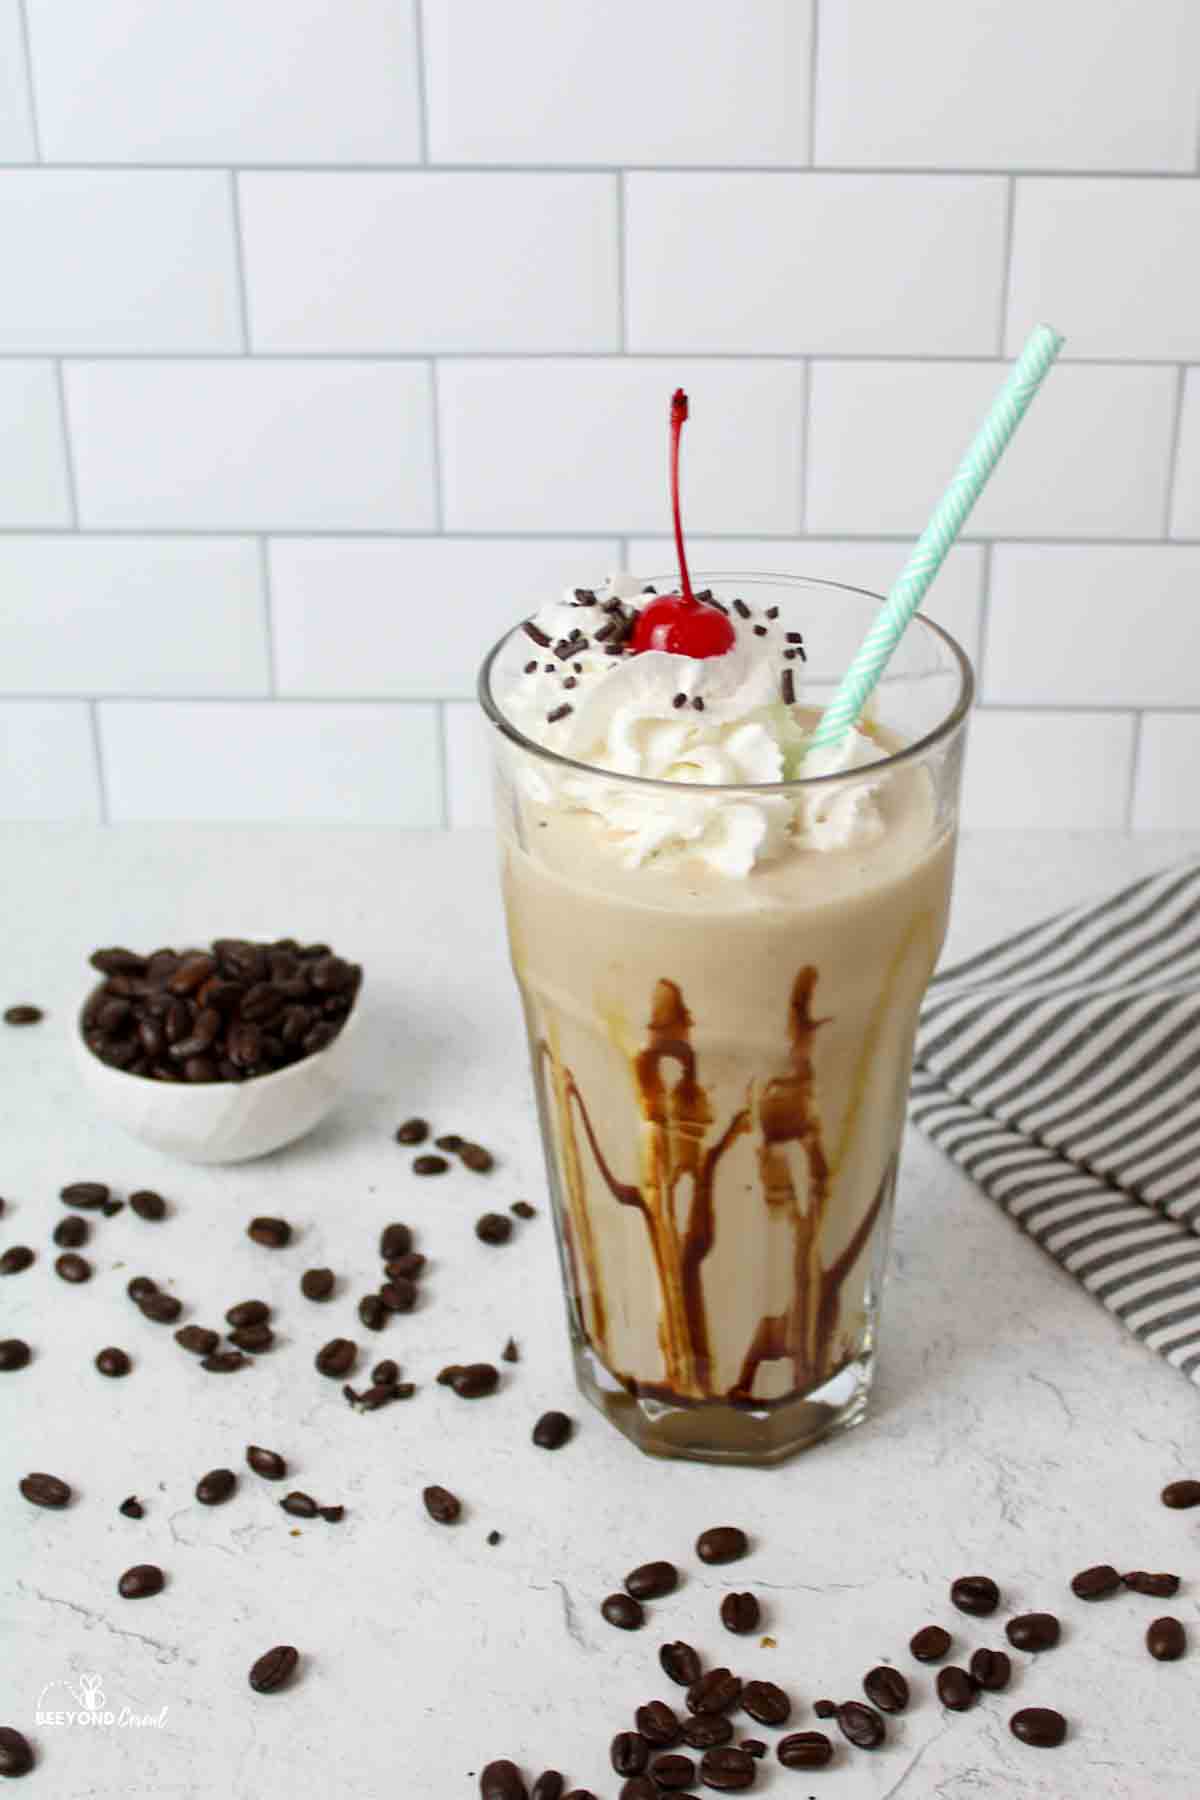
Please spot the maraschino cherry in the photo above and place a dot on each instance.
(679, 622)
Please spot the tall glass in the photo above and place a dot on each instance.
(721, 1064)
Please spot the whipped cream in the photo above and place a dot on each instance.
(697, 723)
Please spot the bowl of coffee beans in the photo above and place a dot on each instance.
(217, 1055)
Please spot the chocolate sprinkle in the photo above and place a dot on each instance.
(772, 612)
(789, 687)
(760, 631)
(570, 682)
(536, 633)
(794, 637)
(741, 609)
(560, 712)
(679, 700)
(585, 597)
(605, 631)
(698, 704)
(531, 667)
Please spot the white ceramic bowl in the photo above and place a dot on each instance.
(221, 1121)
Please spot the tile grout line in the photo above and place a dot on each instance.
(367, 354)
(264, 575)
(812, 83)
(566, 167)
(1134, 766)
(64, 423)
(98, 761)
(1173, 453)
(622, 270)
(535, 535)
(444, 761)
(985, 618)
(239, 259)
(422, 79)
(805, 447)
(30, 85)
(1010, 219)
(435, 450)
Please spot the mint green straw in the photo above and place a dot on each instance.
(907, 592)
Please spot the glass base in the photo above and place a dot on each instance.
(717, 1432)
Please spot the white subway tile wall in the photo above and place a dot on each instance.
(332, 338)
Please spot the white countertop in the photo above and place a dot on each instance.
(1017, 1430)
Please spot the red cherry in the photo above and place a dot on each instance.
(679, 622)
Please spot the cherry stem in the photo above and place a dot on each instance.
(679, 412)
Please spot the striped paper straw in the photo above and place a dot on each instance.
(907, 592)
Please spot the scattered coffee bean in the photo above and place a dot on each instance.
(716, 1692)
(274, 1669)
(88, 1195)
(141, 1582)
(493, 1228)
(673, 1772)
(658, 1724)
(333, 1515)
(1178, 1494)
(451, 1141)
(825, 1709)
(1166, 1640)
(164, 1309)
(23, 1015)
(1162, 1587)
(139, 1287)
(753, 1747)
(552, 1431)
(224, 1362)
(14, 1354)
(975, 1594)
(548, 1786)
(680, 1662)
(111, 1208)
(652, 1580)
(16, 1757)
(623, 1612)
(336, 1358)
(721, 1544)
(449, 1375)
(510, 1353)
(430, 1165)
(740, 1613)
(441, 1505)
(386, 1373)
(272, 1234)
(862, 1726)
(501, 1781)
(586, 1793)
(475, 1381)
(886, 1688)
(413, 1131)
(521, 1209)
(639, 1787)
(45, 1490)
(405, 1268)
(1040, 1726)
(991, 1669)
(1094, 1584)
(301, 1506)
(804, 1750)
(930, 1644)
(767, 1704)
(267, 1463)
(73, 1268)
(16, 1259)
(728, 1769)
(702, 1730)
(372, 1312)
(395, 1240)
(955, 1688)
(216, 1487)
(132, 1508)
(113, 1361)
(629, 1753)
(398, 1295)
(256, 1338)
(248, 1312)
(477, 1158)
(317, 1284)
(1033, 1631)
(198, 1339)
(72, 1233)
(148, 1205)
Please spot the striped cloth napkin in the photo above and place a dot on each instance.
(1061, 1069)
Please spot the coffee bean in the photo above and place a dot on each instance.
(413, 1131)
(72, 1233)
(639, 1787)
(1162, 1587)
(1033, 1631)
(727, 1769)
(399, 1295)
(548, 1786)
(658, 1724)
(740, 1613)
(766, 1703)
(386, 1373)
(493, 1538)
(930, 1644)
(585, 1793)
(721, 1544)
(380, 1393)
(333, 1515)
(164, 1309)
(975, 1594)
(16, 1757)
(301, 1506)
(753, 1747)
(216, 1487)
(395, 1240)
(88, 1195)
(501, 1781)
(825, 1709)
(405, 1268)
(111, 1208)
(336, 1358)
(475, 1381)
(1178, 1494)
(132, 1508)
(14, 1354)
(22, 1015)
(1095, 1583)
(476, 1158)
(441, 1505)
(702, 1730)
(673, 1772)
(113, 1361)
(862, 1726)
(510, 1353)
(652, 1580)
(141, 1582)
(45, 1490)
(623, 1612)
(552, 1431)
(521, 1209)
(804, 1750)
(991, 1669)
(274, 1669)
(16, 1259)
(1040, 1726)
(148, 1205)
(629, 1753)
(256, 1338)
(139, 1287)
(72, 1267)
(267, 1463)
(248, 1312)
(372, 1312)
(272, 1234)
(955, 1688)
(680, 1662)
(493, 1228)
(886, 1688)
(430, 1165)
(198, 1339)
(716, 1692)
(224, 1362)
(1166, 1640)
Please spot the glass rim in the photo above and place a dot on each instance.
(944, 729)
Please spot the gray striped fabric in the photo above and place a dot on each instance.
(1061, 1069)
